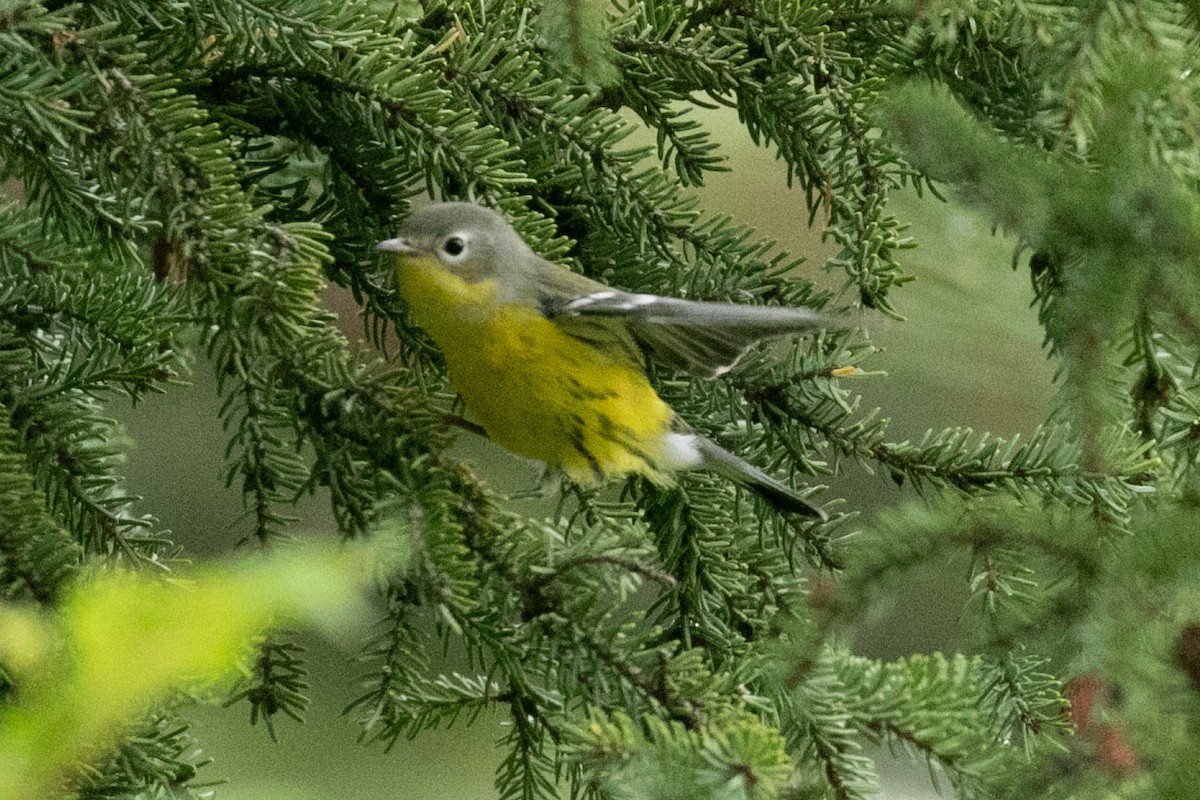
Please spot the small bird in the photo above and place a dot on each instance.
(552, 364)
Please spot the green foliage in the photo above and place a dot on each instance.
(186, 177)
(575, 34)
(121, 641)
(740, 758)
(38, 555)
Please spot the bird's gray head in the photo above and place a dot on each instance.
(468, 240)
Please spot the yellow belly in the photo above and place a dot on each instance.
(535, 390)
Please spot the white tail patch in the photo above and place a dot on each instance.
(681, 451)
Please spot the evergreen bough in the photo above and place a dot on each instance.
(187, 176)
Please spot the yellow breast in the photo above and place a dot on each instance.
(535, 390)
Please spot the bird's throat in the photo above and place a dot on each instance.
(440, 301)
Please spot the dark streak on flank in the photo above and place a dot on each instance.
(575, 434)
(625, 437)
(595, 344)
(580, 392)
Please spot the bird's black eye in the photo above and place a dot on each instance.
(454, 246)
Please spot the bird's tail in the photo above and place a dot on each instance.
(780, 496)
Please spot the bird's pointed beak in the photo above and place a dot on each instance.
(397, 245)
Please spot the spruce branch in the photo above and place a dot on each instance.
(529, 771)
(159, 757)
(641, 206)
(37, 556)
(927, 702)
(1022, 701)
(785, 113)
(1050, 462)
(277, 683)
(818, 727)
(210, 164)
(576, 36)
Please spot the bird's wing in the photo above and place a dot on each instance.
(706, 338)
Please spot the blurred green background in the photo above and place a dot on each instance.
(969, 354)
